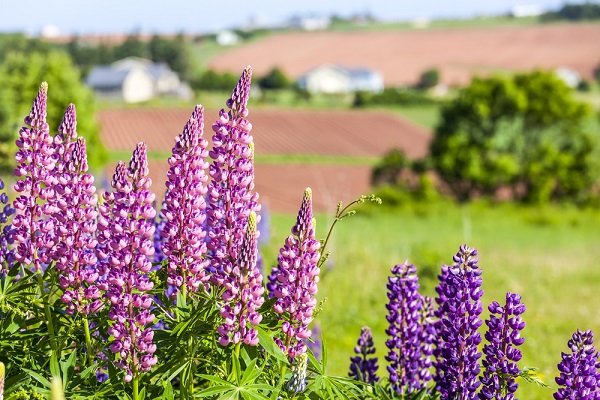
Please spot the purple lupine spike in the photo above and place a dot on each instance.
(184, 233)
(501, 353)
(160, 222)
(35, 163)
(125, 232)
(458, 363)
(230, 197)
(404, 331)
(243, 294)
(7, 254)
(75, 228)
(363, 367)
(297, 279)
(579, 377)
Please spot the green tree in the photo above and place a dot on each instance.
(429, 78)
(20, 77)
(131, 47)
(526, 133)
(174, 52)
(275, 79)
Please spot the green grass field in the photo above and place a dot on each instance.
(549, 255)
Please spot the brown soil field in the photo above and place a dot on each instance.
(280, 186)
(401, 56)
(343, 133)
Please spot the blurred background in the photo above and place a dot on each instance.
(475, 122)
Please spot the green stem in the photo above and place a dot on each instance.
(283, 371)
(136, 384)
(88, 341)
(49, 322)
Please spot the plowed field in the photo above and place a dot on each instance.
(292, 132)
(401, 56)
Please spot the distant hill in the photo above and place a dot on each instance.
(402, 55)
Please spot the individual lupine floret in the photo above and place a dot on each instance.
(7, 254)
(501, 352)
(75, 221)
(230, 197)
(363, 367)
(458, 363)
(297, 279)
(184, 206)
(579, 377)
(35, 162)
(125, 232)
(404, 331)
(243, 294)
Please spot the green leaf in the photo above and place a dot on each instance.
(38, 378)
(213, 390)
(251, 373)
(270, 346)
(216, 379)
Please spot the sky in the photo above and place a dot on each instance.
(201, 16)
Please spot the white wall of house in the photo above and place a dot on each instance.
(138, 86)
(167, 83)
(327, 80)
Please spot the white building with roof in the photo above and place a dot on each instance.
(330, 78)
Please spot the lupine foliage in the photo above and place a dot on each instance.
(103, 296)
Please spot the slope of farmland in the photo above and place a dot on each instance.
(280, 132)
(401, 56)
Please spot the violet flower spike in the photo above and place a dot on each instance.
(363, 366)
(458, 365)
(7, 254)
(243, 294)
(184, 208)
(404, 331)
(428, 337)
(230, 197)
(579, 377)
(297, 279)
(125, 233)
(35, 162)
(501, 353)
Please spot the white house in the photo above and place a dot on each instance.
(569, 76)
(330, 78)
(135, 80)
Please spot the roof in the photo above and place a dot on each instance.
(106, 77)
(351, 72)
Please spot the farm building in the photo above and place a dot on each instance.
(329, 78)
(136, 79)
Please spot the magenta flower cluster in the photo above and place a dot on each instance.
(579, 377)
(6, 252)
(184, 206)
(363, 366)
(125, 232)
(296, 277)
(501, 352)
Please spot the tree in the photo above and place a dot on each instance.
(429, 78)
(275, 79)
(131, 47)
(20, 77)
(172, 52)
(526, 133)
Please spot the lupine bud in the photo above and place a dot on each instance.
(184, 207)
(297, 382)
(460, 292)
(405, 331)
(126, 230)
(579, 377)
(243, 293)
(363, 367)
(501, 353)
(297, 276)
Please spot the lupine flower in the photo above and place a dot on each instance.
(297, 382)
(363, 367)
(428, 337)
(35, 162)
(579, 377)
(75, 221)
(297, 279)
(160, 222)
(230, 197)
(458, 365)
(184, 207)
(243, 294)
(404, 331)
(125, 232)
(7, 254)
(501, 353)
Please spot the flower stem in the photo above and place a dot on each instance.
(48, 314)
(136, 383)
(88, 341)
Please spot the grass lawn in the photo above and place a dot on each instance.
(549, 255)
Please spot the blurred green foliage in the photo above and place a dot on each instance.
(526, 134)
(574, 12)
(429, 78)
(21, 73)
(393, 96)
(274, 79)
